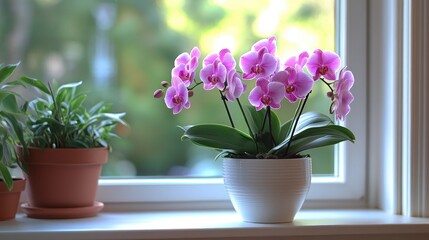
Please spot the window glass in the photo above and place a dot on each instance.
(122, 50)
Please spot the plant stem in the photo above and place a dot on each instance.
(327, 84)
(270, 126)
(295, 124)
(294, 118)
(196, 84)
(265, 119)
(247, 124)
(227, 109)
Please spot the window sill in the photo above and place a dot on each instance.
(309, 224)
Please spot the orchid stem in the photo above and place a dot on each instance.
(227, 109)
(196, 84)
(295, 124)
(294, 117)
(247, 124)
(327, 84)
(265, 119)
(270, 126)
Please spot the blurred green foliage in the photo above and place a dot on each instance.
(58, 41)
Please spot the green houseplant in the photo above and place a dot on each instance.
(67, 145)
(269, 153)
(11, 132)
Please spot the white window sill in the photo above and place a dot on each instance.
(309, 224)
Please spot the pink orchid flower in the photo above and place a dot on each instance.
(234, 86)
(342, 96)
(297, 63)
(185, 65)
(225, 58)
(266, 93)
(296, 85)
(188, 59)
(323, 63)
(269, 44)
(213, 75)
(176, 97)
(258, 64)
(184, 73)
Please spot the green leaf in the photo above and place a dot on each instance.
(262, 133)
(6, 71)
(220, 137)
(78, 101)
(35, 83)
(70, 86)
(314, 137)
(55, 125)
(312, 119)
(222, 154)
(16, 127)
(96, 108)
(319, 141)
(307, 120)
(5, 175)
(116, 117)
(256, 118)
(284, 130)
(9, 104)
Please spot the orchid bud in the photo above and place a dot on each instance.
(165, 84)
(158, 93)
(190, 93)
(330, 95)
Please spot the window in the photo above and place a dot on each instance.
(348, 186)
(64, 58)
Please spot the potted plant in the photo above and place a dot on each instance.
(67, 146)
(10, 133)
(265, 172)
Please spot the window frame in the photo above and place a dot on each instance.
(349, 184)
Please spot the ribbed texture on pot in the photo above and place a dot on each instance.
(267, 190)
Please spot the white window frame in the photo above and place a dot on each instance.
(346, 188)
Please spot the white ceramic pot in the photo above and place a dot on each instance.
(267, 190)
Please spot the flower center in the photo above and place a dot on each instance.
(213, 79)
(266, 100)
(323, 70)
(257, 69)
(177, 100)
(185, 75)
(290, 88)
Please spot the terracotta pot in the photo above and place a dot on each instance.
(63, 178)
(267, 190)
(9, 200)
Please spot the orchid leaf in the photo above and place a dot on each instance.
(262, 131)
(219, 137)
(307, 120)
(312, 119)
(222, 154)
(312, 138)
(285, 129)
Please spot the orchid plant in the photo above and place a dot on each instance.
(292, 80)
